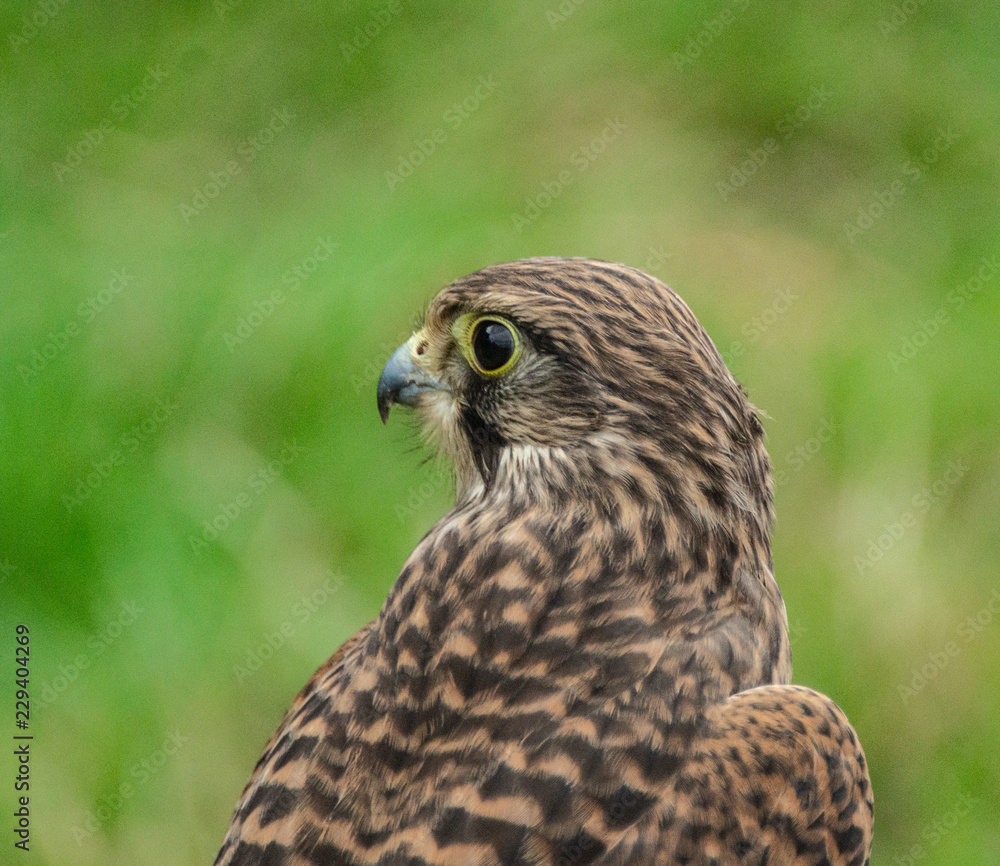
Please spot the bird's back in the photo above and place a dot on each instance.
(492, 716)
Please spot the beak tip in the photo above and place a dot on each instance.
(395, 377)
(384, 401)
(402, 382)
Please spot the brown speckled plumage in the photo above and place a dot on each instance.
(586, 660)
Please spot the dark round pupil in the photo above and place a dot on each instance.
(493, 344)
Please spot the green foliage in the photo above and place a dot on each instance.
(218, 220)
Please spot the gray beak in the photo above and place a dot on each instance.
(402, 381)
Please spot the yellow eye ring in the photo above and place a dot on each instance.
(491, 344)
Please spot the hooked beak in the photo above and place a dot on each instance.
(402, 381)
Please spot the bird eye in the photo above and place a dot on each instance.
(494, 346)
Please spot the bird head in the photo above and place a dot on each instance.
(575, 377)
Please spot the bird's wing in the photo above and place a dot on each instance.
(776, 774)
(268, 795)
(771, 774)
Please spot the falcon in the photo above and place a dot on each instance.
(585, 661)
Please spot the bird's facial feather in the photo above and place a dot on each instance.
(598, 354)
(506, 385)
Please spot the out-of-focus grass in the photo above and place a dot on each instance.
(148, 365)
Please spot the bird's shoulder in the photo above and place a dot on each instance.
(268, 789)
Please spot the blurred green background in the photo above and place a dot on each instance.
(218, 220)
